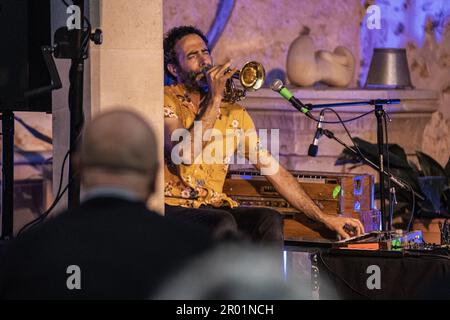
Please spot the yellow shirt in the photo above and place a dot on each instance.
(201, 183)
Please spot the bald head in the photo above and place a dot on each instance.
(118, 144)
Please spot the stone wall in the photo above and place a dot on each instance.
(423, 28)
(263, 30)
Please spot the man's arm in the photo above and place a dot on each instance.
(289, 188)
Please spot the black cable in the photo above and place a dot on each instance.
(54, 203)
(62, 174)
(346, 129)
(413, 208)
(340, 121)
(86, 39)
(340, 278)
(44, 215)
(360, 153)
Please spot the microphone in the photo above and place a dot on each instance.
(314, 146)
(278, 86)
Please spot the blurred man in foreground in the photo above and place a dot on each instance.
(111, 246)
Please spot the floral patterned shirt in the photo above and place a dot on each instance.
(201, 183)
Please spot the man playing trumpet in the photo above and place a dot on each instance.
(195, 110)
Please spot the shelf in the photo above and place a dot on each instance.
(412, 101)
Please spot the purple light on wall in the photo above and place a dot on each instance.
(224, 10)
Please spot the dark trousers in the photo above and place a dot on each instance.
(260, 225)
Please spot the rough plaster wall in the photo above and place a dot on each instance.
(430, 68)
(423, 28)
(420, 26)
(263, 30)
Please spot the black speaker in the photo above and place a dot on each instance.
(25, 27)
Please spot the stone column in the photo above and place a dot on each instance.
(127, 69)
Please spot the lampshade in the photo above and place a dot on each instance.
(389, 69)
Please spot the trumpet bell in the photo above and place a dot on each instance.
(252, 76)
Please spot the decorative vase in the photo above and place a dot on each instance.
(305, 66)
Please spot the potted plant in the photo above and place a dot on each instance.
(430, 180)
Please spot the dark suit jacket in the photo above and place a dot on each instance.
(123, 250)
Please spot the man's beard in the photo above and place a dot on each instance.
(193, 82)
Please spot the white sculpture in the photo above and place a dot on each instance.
(305, 66)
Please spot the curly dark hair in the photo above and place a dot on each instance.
(171, 39)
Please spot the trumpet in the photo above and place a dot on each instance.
(251, 77)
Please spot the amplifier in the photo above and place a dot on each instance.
(335, 193)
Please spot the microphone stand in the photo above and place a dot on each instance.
(74, 45)
(329, 134)
(380, 115)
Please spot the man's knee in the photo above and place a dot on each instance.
(223, 223)
(270, 225)
(222, 217)
(271, 217)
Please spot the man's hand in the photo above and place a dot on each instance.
(217, 76)
(345, 227)
(291, 190)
